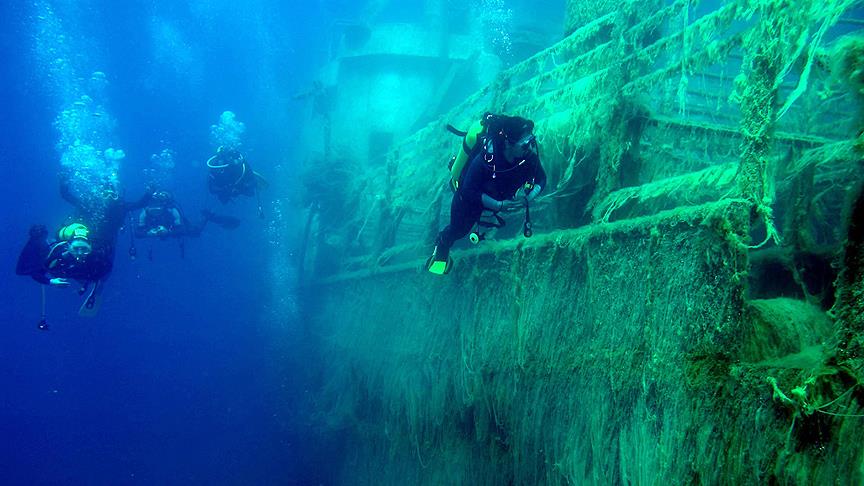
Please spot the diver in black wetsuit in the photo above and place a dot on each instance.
(71, 256)
(103, 217)
(163, 218)
(82, 251)
(506, 161)
(230, 175)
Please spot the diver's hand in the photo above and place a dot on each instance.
(59, 282)
(510, 205)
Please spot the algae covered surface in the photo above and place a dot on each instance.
(689, 308)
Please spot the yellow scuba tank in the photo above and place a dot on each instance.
(475, 134)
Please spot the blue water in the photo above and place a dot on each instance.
(184, 377)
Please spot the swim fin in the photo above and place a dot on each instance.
(91, 304)
(440, 262)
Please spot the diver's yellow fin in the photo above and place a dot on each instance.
(439, 267)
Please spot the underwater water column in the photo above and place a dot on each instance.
(282, 232)
(90, 165)
(228, 132)
(160, 173)
(89, 160)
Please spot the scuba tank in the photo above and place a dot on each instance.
(472, 141)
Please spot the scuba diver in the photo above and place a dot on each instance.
(72, 255)
(499, 157)
(230, 176)
(163, 218)
(64, 256)
(84, 250)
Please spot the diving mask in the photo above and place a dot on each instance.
(527, 143)
(79, 248)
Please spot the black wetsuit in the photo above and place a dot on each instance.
(170, 217)
(104, 219)
(479, 178)
(31, 261)
(236, 178)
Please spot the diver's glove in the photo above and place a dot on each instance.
(59, 282)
